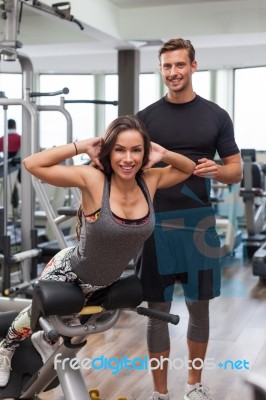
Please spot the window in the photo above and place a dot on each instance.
(202, 84)
(148, 90)
(53, 124)
(249, 115)
(148, 93)
(11, 85)
(111, 94)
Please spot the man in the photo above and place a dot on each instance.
(14, 139)
(14, 143)
(185, 245)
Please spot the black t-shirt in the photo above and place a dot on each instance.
(196, 129)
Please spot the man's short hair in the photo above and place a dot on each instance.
(11, 124)
(178, 44)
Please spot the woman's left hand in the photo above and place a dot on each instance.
(93, 150)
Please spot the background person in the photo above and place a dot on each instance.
(116, 209)
(14, 139)
(14, 144)
(184, 122)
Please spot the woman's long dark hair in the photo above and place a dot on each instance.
(120, 124)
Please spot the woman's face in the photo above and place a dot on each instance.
(127, 154)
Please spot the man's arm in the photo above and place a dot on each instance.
(229, 172)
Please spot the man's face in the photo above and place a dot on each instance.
(177, 70)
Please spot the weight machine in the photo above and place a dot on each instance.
(254, 197)
(226, 202)
(258, 386)
(29, 253)
(30, 144)
(58, 310)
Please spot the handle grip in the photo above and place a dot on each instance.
(51, 333)
(65, 90)
(163, 316)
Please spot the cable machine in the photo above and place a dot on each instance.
(30, 144)
(29, 140)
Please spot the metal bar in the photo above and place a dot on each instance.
(24, 255)
(26, 189)
(114, 103)
(29, 143)
(65, 90)
(11, 28)
(41, 7)
(5, 176)
(86, 329)
(39, 381)
(62, 218)
(53, 220)
(17, 304)
(6, 266)
(42, 196)
(72, 382)
(48, 373)
(65, 113)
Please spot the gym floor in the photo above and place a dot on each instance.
(238, 332)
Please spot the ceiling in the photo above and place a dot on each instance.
(225, 33)
(152, 3)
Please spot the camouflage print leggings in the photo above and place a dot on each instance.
(57, 269)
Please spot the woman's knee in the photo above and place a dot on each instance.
(199, 324)
(157, 333)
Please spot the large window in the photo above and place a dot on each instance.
(148, 90)
(11, 85)
(202, 84)
(250, 116)
(111, 94)
(148, 93)
(52, 123)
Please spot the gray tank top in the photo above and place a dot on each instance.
(107, 246)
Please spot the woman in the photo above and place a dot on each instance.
(115, 218)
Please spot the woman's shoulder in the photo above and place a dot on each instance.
(92, 193)
(92, 175)
(150, 179)
(92, 170)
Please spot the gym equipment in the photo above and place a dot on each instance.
(12, 185)
(53, 219)
(25, 256)
(94, 395)
(114, 103)
(258, 386)
(29, 127)
(55, 305)
(64, 213)
(227, 207)
(254, 196)
(60, 10)
(29, 144)
(259, 262)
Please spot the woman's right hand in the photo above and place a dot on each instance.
(47, 164)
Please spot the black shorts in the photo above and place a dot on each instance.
(185, 248)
